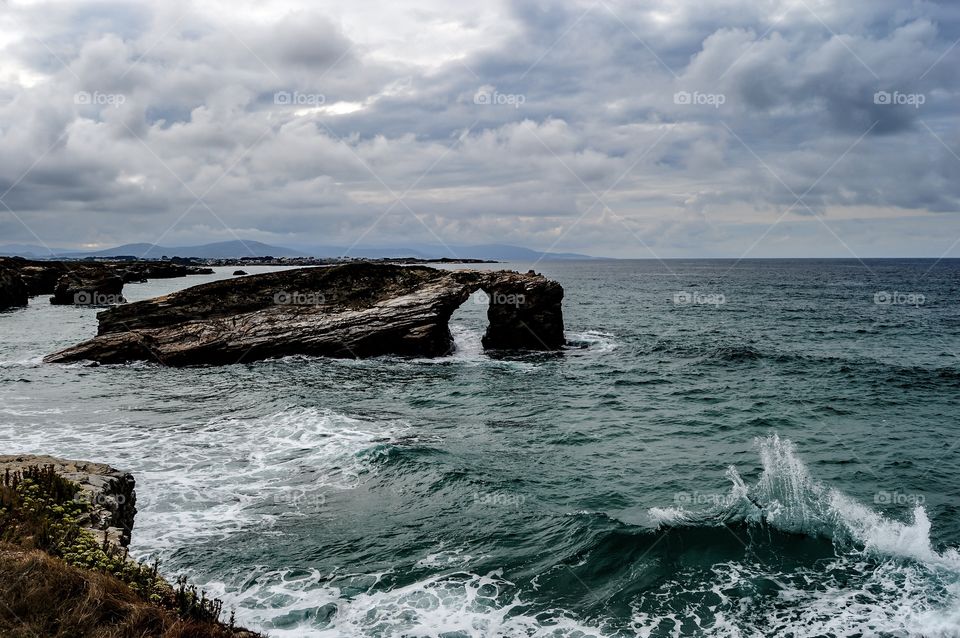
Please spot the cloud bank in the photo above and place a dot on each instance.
(655, 129)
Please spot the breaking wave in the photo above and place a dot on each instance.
(885, 575)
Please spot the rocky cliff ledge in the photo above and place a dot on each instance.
(64, 572)
(108, 492)
(353, 310)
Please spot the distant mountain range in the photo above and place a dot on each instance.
(237, 249)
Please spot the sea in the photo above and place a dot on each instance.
(724, 448)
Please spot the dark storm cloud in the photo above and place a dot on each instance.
(705, 121)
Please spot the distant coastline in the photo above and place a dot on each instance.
(244, 248)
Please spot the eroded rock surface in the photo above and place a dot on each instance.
(352, 310)
(110, 492)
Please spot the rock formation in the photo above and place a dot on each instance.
(64, 568)
(109, 492)
(87, 287)
(352, 310)
(144, 270)
(13, 290)
(80, 282)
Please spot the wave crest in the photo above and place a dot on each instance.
(788, 498)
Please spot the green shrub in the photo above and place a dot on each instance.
(40, 509)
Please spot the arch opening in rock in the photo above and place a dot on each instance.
(467, 325)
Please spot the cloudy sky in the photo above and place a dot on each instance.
(633, 128)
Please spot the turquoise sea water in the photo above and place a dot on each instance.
(725, 449)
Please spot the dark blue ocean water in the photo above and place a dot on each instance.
(728, 449)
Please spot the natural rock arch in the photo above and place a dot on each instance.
(351, 310)
(524, 312)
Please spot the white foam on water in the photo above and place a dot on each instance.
(445, 559)
(467, 342)
(892, 599)
(455, 605)
(593, 341)
(198, 483)
(670, 516)
(885, 600)
(233, 474)
(468, 351)
(208, 481)
(29, 362)
(15, 412)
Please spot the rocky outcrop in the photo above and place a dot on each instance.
(65, 571)
(353, 310)
(524, 312)
(88, 287)
(81, 282)
(13, 290)
(109, 492)
(143, 271)
(41, 277)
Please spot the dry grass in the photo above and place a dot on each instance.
(58, 581)
(42, 596)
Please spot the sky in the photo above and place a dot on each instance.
(623, 128)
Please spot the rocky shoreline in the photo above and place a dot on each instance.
(324, 261)
(64, 567)
(354, 310)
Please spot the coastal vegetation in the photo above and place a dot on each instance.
(58, 579)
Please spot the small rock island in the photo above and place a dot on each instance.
(354, 310)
